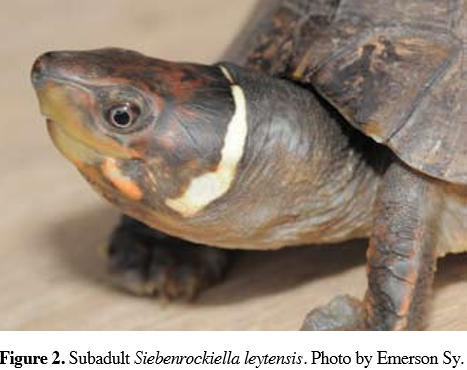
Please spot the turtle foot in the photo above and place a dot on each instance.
(342, 313)
(144, 261)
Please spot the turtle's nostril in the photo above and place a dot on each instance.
(37, 71)
(38, 65)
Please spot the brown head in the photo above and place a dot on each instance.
(138, 128)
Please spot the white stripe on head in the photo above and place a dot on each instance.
(227, 74)
(212, 185)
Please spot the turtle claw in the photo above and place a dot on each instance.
(146, 262)
(341, 313)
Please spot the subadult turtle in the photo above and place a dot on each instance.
(274, 150)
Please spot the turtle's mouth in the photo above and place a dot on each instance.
(60, 102)
(75, 150)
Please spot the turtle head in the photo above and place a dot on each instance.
(139, 129)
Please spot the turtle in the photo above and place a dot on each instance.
(326, 120)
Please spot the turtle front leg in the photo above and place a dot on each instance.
(401, 260)
(144, 261)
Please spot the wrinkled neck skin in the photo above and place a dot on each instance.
(301, 179)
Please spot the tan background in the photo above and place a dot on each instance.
(51, 222)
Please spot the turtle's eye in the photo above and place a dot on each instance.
(123, 115)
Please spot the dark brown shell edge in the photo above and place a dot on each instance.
(398, 76)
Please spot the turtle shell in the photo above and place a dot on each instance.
(396, 70)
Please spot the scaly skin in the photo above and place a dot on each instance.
(144, 261)
(401, 260)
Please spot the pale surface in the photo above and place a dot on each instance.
(51, 220)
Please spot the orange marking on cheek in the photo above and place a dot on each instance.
(123, 183)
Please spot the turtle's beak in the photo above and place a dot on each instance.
(59, 103)
(55, 86)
